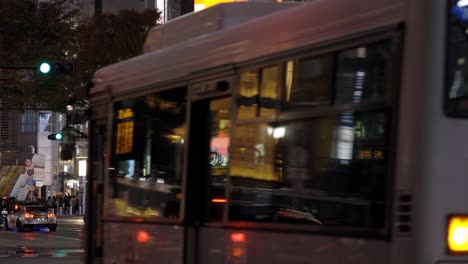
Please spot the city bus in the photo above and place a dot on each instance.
(328, 131)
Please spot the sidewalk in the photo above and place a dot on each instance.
(70, 220)
(70, 216)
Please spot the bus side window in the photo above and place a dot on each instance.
(270, 91)
(258, 93)
(148, 156)
(308, 84)
(364, 73)
(219, 156)
(247, 98)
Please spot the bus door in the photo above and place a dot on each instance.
(143, 186)
(207, 170)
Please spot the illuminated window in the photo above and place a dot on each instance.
(124, 140)
(220, 158)
(326, 164)
(259, 93)
(307, 172)
(147, 159)
(269, 91)
(248, 95)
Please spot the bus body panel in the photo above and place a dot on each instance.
(140, 243)
(409, 130)
(431, 156)
(291, 248)
(444, 168)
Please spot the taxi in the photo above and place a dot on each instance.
(29, 216)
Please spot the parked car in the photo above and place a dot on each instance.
(6, 204)
(30, 216)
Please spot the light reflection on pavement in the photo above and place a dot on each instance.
(63, 246)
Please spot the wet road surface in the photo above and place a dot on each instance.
(42, 246)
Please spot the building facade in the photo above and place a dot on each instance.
(23, 134)
(169, 9)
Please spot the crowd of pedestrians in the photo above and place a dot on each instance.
(66, 204)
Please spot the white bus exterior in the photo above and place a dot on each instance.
(328, 132)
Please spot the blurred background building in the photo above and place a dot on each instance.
(170, 9)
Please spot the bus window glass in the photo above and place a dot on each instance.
(456, 91)
(363, 73)
(219, 154)
(324, 171)
(269, 91)
(147, 159)
(312, 85)
(247, 99)
(253, 153)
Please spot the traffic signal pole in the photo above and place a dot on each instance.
(18, 68)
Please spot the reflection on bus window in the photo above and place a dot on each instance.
(312, 85)
(269, 91)
(253, 153)
(361, 73)
(248, 95)
(147, 159)
(219, 155)
(316, 171)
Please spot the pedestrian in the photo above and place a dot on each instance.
(50, 202)
(66, 203)
(76, 206)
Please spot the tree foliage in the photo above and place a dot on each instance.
(35, 30)
(111, 39)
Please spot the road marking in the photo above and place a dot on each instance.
(67, 237)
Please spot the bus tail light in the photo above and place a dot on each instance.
(457, 234)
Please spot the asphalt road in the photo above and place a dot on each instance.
(42, 246)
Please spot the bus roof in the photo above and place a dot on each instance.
(209, 20)
(280, 31)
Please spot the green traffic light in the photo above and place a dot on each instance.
(55, 136)
(45, 67)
